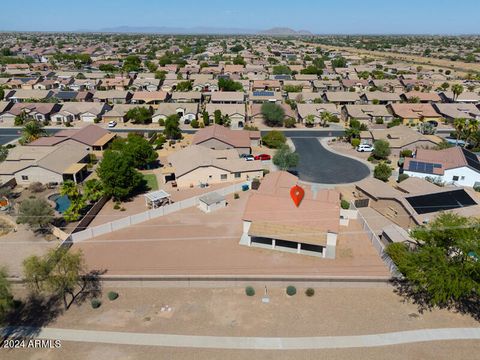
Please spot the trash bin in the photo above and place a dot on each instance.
(245, 187)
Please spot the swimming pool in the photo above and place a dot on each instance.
(62, 202)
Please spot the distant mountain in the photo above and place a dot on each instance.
(285, 31)
(199, 30)
(178, 30)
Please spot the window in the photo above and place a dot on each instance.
(223, 177)
(455, 178)
(462, 178)
(237, 175)
(24, 177)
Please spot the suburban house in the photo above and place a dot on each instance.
(389, 85)
(464, 97)
(219, 137)
(205, 84)
(454, 165)
(145, 84)
(256, 112)
(380, 97)
(357, 85)
(410, 206)
(119, 111)
(400, 138)
(368, 114)
(423, 97)
(266, 85)
(112, 96)
(316, 110)
(21, 95)
(93, 137)
(82, 111)
(412, 114)
(305, 97)
(452, 111)
(198, 165)
(186, 96)
(46, 164)
(258, 97)
(185, 111)
(341, 97)
(227, 97)
(34, 111)
(272, 221)
(235, 112)
(149, 97)
(327, 85)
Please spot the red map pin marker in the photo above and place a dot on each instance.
(297, 194)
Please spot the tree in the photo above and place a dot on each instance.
(205, 118)
(77, 202)
(3, 153)
(274, 139)
(60, 272)
(132, 63)
(238, 60)
(285, 158)
(381, 149)
(339, 62)
(310, 120)
(459, 124)
(6, 297)
(229, 85)
(281, 70)
(172, 127)
(217, 116)
(118, 176)
(32, 131)
(160, 74)
(137, 149)
(273, 114)
(471, 128)
(139, 115)
(21, 118)
(382, 172)
(93, 190)
(184, 86)
(442, 264)
(237, 48)
(457, 89)
(37, 213)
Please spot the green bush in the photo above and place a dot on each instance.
(406, 153)
(345, 204)
(112, 295)
(250, 291)
(355, 142)
(476, 188)
(194, 124)
(161, 122)
(289, 123)
(310, 292)
(116, 206)
(402, 177)
(291, 290)
(382, 172)
(274, 139)
(378, 121)
(394, 122)
(95, 303)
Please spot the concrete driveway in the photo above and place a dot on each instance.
(319, 165)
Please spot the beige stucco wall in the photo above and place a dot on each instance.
(39, 174)
(212, 175)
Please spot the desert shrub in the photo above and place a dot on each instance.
(265, 172)
(394, 122)
(95, 303)
(378, 121)
(310, 292)
(161, 122)
(36, 187)
(355, 142)
(236, 196)
(345, 204)
(116, 206)
(402, 177)
(291, 290)
(112, 295)
(194, 124)
(289, 123)
(476, 188)
(382, 172)
(250, 291)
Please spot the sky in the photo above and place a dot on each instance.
(317, 16)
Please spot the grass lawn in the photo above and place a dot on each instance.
(151, 180)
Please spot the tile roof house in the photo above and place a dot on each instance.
(256, 112)
(380, 97)
(423, 97)
(112, 96)
(236, 113)
(464, 97)
(35, 111)
(316, 110)
(149, 97)
(271, 219)
(341, 97)
(219, 137)
(366, 113)
(196, 165)
(22, 95)
(186, 111)
(82, 111)
(452, 111)
(414, 113)
(454, 165)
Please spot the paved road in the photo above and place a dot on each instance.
(10, 134)
(319, 165)
(250, 343)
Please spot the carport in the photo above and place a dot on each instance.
(157, 198)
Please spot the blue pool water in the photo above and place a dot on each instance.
(62, 202)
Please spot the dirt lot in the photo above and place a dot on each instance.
(229, 312)
(192, 242)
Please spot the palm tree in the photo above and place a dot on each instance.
(93, 190)
(459, 124)
(472, 128)
(32, 131)
(457, 89)
(325, 116)
(309, 120)
(70, 189)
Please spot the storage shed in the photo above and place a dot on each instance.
(211, 202)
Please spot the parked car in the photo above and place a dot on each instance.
(364, 148)
(243, 156)
(112, 124)
(249, 158)
(263, 157)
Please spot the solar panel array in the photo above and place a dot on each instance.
(423, 167)
(472, 159)
(447, 200)
(263, 93)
